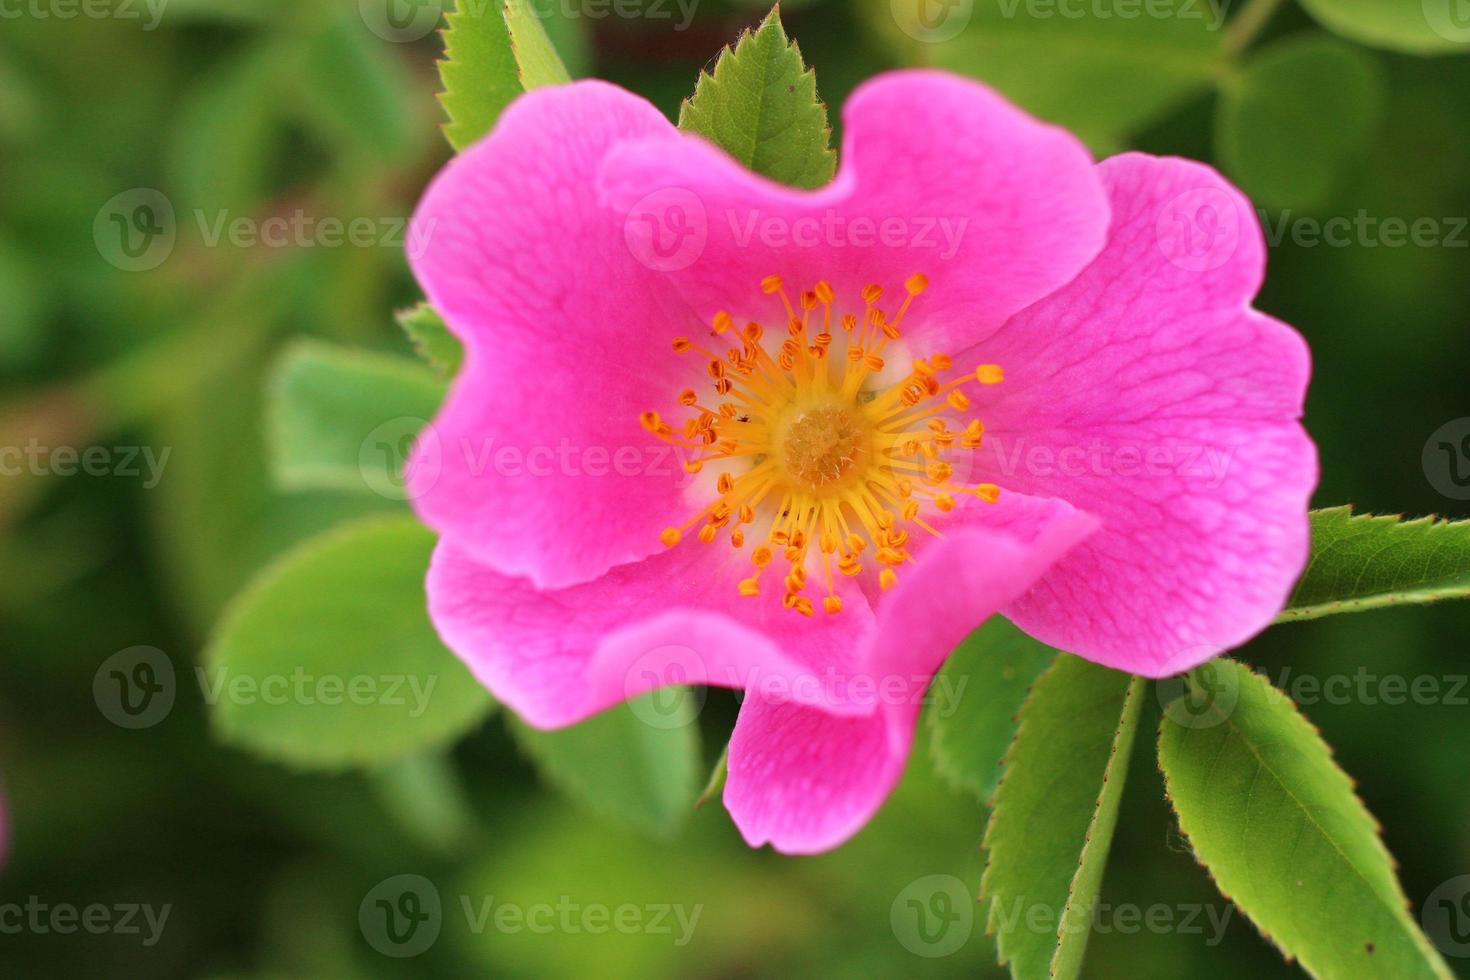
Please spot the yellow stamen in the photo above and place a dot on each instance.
(825, 465)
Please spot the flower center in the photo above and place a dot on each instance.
(813, 456)
(823, 446)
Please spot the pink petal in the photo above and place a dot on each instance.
(537, 464)
(1149, 393)
(990, 555)
(805, 780)
(556, 657)
(940, 175)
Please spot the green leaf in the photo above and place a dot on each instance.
(977, 694)
(24, 296)
(570, 27)
(1412, 26)
(1279, 827)
(1366, 561)
(535, 55)
(432, 339)
(230, 130)
(215, 515)
(20, 107)
(274, 13)
(633, 762)
(1055, 812)
(717, 777)
(760, 105)
(354, 92)
(1102, 76)
(1298, 117)
(423, 795)
(493, 52)
(478, 71)
(342, 419)
(328, 659)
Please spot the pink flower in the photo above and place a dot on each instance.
(977, 373)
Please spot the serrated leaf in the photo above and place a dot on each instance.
(1367, 561)
(493, 52)
(1054, 815)
(619, 764)
(343, 419)
(1412, 26)
(328, 659)
(478, 71)
(1102, 76)
(1282, 832)
(760, 105)
(536, 57)
(976, 696)
(1296, 118)
(433, 341)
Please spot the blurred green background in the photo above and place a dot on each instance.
(253, 108)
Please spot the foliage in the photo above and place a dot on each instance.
(277, 539)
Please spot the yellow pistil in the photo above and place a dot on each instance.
(823, 470)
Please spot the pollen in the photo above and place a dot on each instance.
(824, 445)
(823, 468)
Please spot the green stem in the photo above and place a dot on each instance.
(1247, 26)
